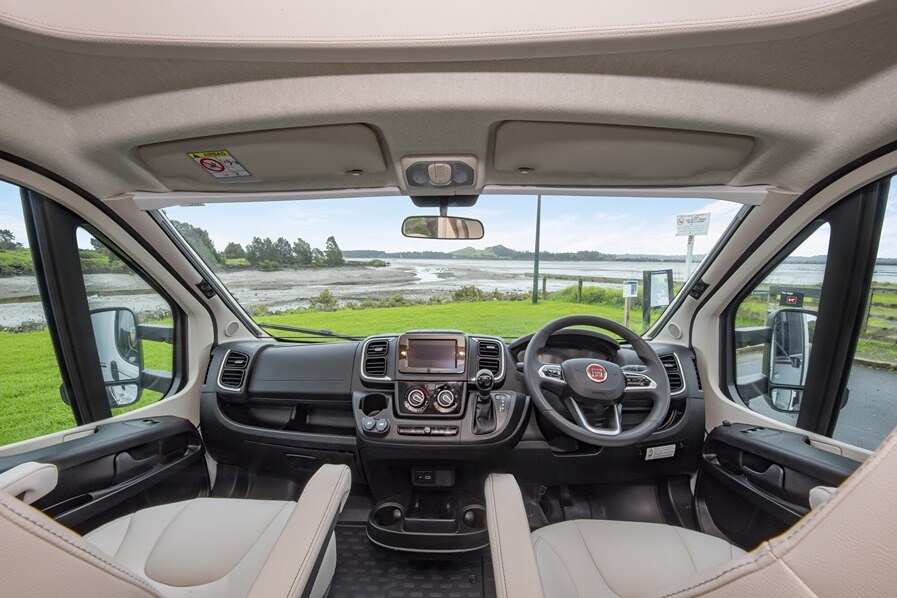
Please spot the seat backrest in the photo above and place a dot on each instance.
(846, 547)
(42, 558)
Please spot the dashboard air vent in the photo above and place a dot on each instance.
(375, 358)
(674, 374)
(232, 378)
(489, 356)
(697, 372)
(233, 372)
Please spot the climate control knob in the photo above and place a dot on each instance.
(416, 398)
(446, 399)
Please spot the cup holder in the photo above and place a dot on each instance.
(373, 404)
(474, 517)
(388, 515)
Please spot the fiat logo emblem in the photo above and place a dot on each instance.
(596, 373)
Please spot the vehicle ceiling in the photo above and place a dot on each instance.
(811, 103)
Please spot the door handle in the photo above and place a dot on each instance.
(771, 480)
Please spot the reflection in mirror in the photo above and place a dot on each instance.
(442, 227)
(786, 399)
(121, 354)
(788, 356)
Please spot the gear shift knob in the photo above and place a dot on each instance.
(485, 380)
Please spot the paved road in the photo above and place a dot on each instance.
(870, 413)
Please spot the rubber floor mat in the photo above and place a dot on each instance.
(364, 570)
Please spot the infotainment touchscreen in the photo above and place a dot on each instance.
(432, 354)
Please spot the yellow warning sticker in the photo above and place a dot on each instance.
(220, 164)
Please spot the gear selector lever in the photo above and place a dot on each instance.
(484, 412)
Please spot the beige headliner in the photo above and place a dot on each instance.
(811, 103)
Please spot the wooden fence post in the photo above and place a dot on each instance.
(579, 291)
(544, 287)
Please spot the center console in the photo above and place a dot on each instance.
(435, 411)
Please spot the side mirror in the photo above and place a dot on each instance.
(442, 227)
(121, 354)
(787, 356)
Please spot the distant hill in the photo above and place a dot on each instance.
(500, 252)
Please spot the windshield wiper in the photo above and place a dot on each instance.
(327, 333)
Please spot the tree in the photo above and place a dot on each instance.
(302, 252)
(199, 240)
(8, 240)
(234, 251)
(333, 255)
(260, 251)
(103, 250)
(283, 252)
(317, 256)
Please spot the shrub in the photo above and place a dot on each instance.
(325, 301)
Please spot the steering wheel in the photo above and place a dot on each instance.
(589, 386)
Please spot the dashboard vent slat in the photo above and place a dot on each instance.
(232, 378)
(375, 358)
(236, 360)
(674, 374)
(489, 356)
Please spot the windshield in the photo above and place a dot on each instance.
(343, 265)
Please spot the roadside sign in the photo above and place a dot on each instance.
(691, 225)
(658, 292)
(630, 289)
(791, 299)
(220, 164)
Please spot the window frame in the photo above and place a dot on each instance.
(855, 222)
(52, 230)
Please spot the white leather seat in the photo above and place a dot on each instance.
(201, 547)
(622, 558)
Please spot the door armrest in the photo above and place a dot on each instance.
(29, 481)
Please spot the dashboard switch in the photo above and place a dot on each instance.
(368, 423)
(381, 425)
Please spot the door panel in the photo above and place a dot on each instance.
(122, 467)
(754, 482)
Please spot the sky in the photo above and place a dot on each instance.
(606, 224)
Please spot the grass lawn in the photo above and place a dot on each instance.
(509, 319)
(30, 403)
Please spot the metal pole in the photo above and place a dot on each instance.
(536, 258)
(691, 248)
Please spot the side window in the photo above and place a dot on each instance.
(30, 382)
(774, 328)
(133, 327)
(870, 411)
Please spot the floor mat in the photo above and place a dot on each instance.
(368, 571)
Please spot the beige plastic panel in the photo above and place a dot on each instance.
(350, 30)
(611, 151)
(323, 154)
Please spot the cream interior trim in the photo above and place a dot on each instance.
(555, 151)
(752, 195)
(157, 201)
(344, 30)
(31, 481)
(200, 333)
(707, 322)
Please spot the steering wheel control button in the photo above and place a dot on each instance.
(381, 425)
(368, 423)
(551, 371)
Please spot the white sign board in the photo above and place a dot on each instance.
(630, 289)
(692, 224)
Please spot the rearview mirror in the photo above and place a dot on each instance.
(121, 354)
(787, 356)
(442, 227)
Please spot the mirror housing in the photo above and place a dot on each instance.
(442, 227)
(786, 356)
(120, 349)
